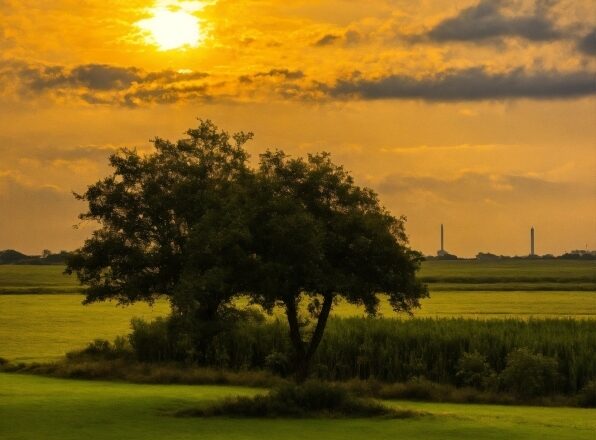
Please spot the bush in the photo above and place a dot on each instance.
(311, 399)
(529, 375)
(103, 349)
(474, 371)
(278, 363)
(154, 341)
(3, 361)
(587, 395)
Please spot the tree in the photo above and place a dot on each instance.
(192, 221)
(162, 217)
(319, 237)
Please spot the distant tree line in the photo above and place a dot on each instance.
(10, 256)
(487, 256)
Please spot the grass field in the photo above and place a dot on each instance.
(463, 275)
(44, 327)
(509, 270)
(16, 279)
(43, 408)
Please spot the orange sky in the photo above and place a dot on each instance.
(477, 114)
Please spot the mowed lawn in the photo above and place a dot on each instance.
(45, 408)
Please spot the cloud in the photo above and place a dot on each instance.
(105, 84)
(349, 37)
(587, 44)
(471, 84)
(285, 73)
(486, 20)
(470, 187)
(327, 40)
(90, 76)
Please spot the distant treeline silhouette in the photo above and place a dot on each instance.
(487, 256)
(10, 256)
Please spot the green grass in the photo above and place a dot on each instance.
(36, 279)
(494, 304)
(42, 408)
(477, 271)
(45, 327)
(441, 275)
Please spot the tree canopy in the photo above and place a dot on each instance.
(194, 222)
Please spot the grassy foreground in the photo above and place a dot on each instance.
(36, 407)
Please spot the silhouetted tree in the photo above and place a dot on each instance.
(193, 222)
(319, 237)
(167, 225)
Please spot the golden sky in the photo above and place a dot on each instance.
(479, 114)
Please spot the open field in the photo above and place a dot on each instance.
(508, 270)
(36, 279)
(35, 407)
(463, 275)
(44, 327)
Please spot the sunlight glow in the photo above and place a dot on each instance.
(172, 29)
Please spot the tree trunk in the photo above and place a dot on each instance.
(304, 353)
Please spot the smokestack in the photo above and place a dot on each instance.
(532, 241)
(442, 248)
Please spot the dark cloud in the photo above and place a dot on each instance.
(327, 40)
(587, 44)
(487, 21)
(91, 76)
(469, 85)
(104, 77)
(285, 73)
(348, 38)
(105, 84)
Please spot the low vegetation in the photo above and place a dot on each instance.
(500, 361)
(488, 355)
(311, 399)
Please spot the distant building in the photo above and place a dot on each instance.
(532, 254)
(442, 254)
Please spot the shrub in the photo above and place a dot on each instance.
(311, 399)
(587, 395)
(3, 361)
(153, 341)
(278, 363)
(529, 375)
(473, 370)
(103, 349)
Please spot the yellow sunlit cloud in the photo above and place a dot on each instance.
(172, 29)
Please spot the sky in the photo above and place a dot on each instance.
(478, 114)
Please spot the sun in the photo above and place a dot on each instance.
(169, 29)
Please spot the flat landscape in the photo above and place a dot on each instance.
(44, 326)
(43, 318)
(36, 408)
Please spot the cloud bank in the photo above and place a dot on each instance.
(471, 84)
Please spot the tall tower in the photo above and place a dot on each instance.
(442, 246)
(532, 242)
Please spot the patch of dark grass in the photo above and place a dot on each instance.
(146, 373)
(587, 396)
(421, 389)
(308, 400)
